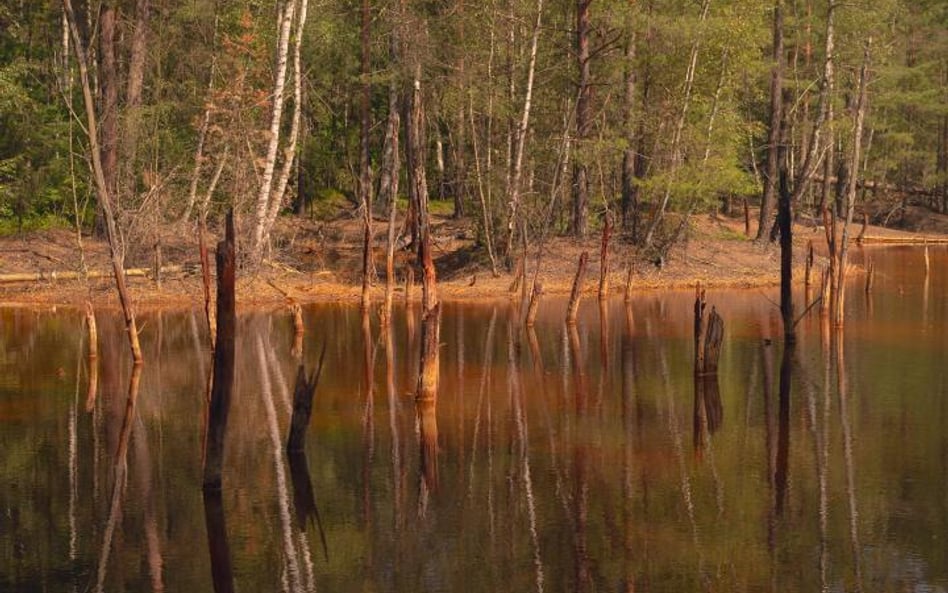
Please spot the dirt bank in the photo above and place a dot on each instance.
(320, 261)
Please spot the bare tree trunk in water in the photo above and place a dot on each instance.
(776, 121)
(859, 118)
(419, 187)
(102, 188)
(365, 189)
(388, 193)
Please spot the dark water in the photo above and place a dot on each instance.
(560, 461)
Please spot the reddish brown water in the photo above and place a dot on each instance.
(555, 461)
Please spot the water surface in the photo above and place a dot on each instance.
(556, 460)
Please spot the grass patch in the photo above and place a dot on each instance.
(11, 226)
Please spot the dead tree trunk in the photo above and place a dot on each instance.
(388, 193)
(628, 283)
(708, 336)
(534, 304)
(93, 385)
(365, 188)
(700, 329)
(577, 291)
(604, 259)
(103, 192)
(859, 119)
(206, 280)
(224, 353)
(769, 197)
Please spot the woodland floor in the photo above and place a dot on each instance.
(321, 262)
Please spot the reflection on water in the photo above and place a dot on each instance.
(553, 459)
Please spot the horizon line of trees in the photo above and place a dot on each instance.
(527, 116)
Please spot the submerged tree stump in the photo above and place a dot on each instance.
(604, 259)
(708, 336)
(577, 292)
(534, 303)
(224, 352)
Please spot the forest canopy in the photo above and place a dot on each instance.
(532, 116)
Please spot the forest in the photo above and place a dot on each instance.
(524, 118)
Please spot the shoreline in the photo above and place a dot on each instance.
(717, 253)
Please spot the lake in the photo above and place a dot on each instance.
(557, 460)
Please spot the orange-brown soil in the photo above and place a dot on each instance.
(321, 261)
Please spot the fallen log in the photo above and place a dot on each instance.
(54, 275)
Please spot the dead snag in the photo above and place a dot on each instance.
(809, 265)
(298, 331)
(426, 396)
(604, 259)
(534, 303)
(708, 336)
(367, 256)
(224, 351)
(870, 275)
(712, 342)
(206, 278)
(576, 294)
(303, 394)
(628, 283)
(93, 357)
(429, 365)
(700, 305)
(518, 276)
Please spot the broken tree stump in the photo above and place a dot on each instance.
(224, 352)
(604, 259)
(534, 303)
(708, 336)
(576, 294)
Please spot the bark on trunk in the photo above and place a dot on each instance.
(577, 292)
(604, 259)
(630, 207)
(365, 183)
(133, 93)
(768, 199)
(224, 353)
(513, 196)
(289, 153)
(419, 186)
(388, 193)
(266, 180)
(103, 193)
(583, 120)
(859, 118)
